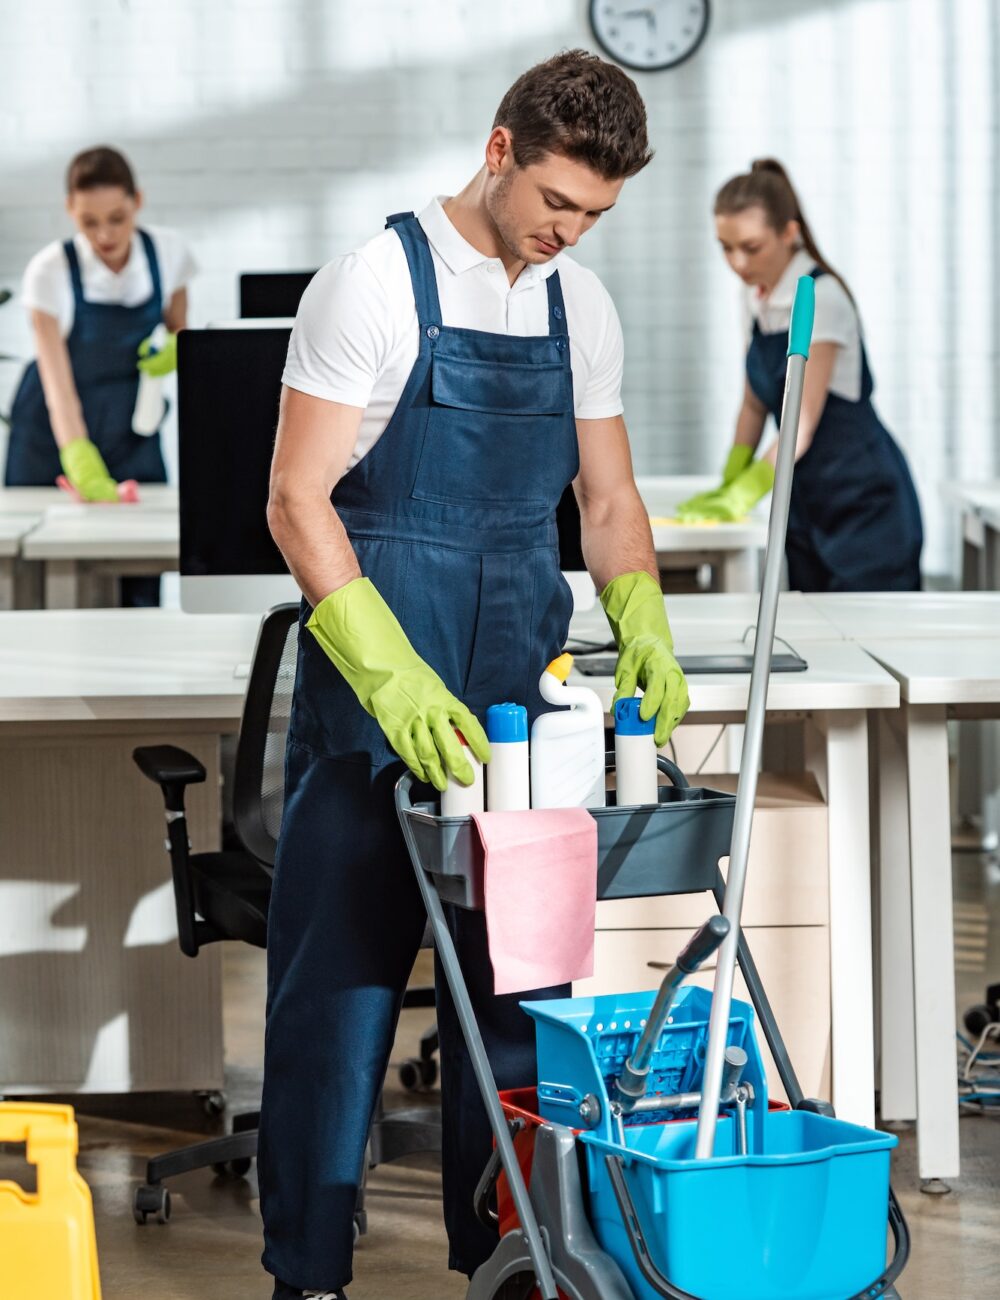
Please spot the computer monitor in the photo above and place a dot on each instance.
(228, 389)
(272, 293)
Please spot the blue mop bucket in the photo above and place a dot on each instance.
(581, 1045)
(803, 1220)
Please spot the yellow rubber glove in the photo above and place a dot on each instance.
(84, 466)
(362, 637)
(733, 501)
(633, 603)
(157, 360)
(740, 456)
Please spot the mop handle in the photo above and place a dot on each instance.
(799, 335)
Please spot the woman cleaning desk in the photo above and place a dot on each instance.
(854, 522)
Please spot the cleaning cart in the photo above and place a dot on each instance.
(650, 1160)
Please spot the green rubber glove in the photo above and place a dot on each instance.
(362, 637)
(740, 456)
(157, 361)
(633, 603)
(84, 466)
(733, 501)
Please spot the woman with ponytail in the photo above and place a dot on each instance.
(854, 522)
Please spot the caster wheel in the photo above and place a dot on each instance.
(213, 1104)
(409, 1074)
(151, 1200)
(416, 1075)
(978, 1017)
(241, 1167)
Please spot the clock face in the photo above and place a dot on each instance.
(651, 35)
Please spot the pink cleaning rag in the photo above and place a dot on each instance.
(541, 895)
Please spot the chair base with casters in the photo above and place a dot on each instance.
(225, 894)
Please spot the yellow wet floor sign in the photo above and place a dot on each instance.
(47, 1242)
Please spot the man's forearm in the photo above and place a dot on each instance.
(617, 538)
(314, 543)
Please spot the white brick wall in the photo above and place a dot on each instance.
(277, 133)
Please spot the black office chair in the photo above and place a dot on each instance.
(225, 895)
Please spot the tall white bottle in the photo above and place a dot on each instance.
(459, 800)
(567, 747)
(150, 403)
(507, 771)
(635, 755)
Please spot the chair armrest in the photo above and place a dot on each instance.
(168, 765)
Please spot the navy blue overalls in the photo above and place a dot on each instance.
(102, 350)
(854, 520)
(452, 517)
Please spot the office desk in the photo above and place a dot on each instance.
(733, 550)
(978, 507)
(95, 995)
(939, 678)
(80, 689)
(85, 547)
(836, 695)
(14, 575)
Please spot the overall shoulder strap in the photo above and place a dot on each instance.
(557, 308)
(421, 264)
(69, 248)
(154, 264)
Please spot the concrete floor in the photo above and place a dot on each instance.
(211, 1246)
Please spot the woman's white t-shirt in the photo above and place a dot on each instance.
(836, 320)
(47, 285)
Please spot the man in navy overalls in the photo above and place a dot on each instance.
(444, 385)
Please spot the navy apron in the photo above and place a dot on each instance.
(854, 519)
(102, 349)
(452, 517)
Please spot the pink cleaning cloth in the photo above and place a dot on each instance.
(541, 895)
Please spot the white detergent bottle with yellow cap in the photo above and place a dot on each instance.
(567, 747)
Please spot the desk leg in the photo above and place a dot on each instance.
(8, 565)
(897, 1062)
(62, 584)
(739, 571)
(841, 769)
(933, 939)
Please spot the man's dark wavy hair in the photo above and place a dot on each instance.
(582, 107)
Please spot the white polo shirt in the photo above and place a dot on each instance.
(47, 285)
(356, 338)
(836, 320)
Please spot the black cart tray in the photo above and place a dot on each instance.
(673, 847)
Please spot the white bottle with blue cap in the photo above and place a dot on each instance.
(507, 781)
(635, 755)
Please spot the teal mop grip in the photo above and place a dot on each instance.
(803, 309)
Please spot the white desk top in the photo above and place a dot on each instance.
(37, 500)
(923, 614)
(974, 495)
(13, 529)
(727, 614)
(97, 532)
(840, 676)
(662, 494)
(88, 665)
(942, 670)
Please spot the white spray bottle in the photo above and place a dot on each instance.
(150, 402)
(567, 748)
